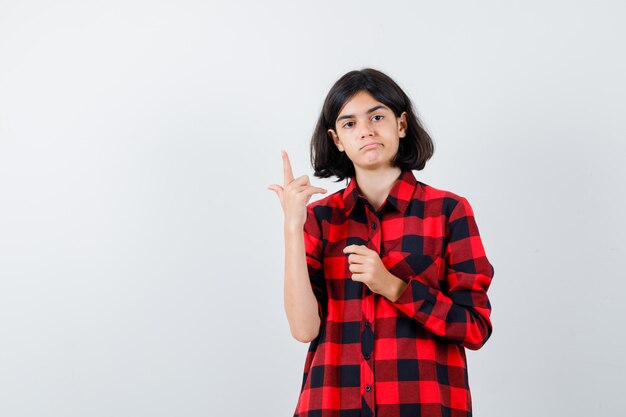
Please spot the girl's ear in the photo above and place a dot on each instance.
(335, 139)
(402, 125)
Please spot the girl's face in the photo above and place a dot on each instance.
(368, 131)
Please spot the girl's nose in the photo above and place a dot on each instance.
(366, 130)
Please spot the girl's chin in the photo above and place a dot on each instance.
(374, 163)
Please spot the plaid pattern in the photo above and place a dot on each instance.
(375, 357)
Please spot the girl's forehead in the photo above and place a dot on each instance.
(360, 96)
(359, 103)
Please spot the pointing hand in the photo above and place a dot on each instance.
(294, 195)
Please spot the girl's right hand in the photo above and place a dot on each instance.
(294, 196)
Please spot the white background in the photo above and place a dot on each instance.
(141, 255)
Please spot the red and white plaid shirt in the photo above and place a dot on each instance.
(375, 357)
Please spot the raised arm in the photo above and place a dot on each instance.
(301, 304)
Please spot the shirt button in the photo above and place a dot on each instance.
(373, 225)
(367, 356)
(367, 324)
(368, 388)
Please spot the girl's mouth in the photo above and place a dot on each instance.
(370, 145)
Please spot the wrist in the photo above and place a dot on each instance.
(396, 288)
(291, 228)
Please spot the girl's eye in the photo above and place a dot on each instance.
(380, 117)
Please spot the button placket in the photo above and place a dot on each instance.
(374, 224)
(373, 238)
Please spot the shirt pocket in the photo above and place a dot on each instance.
(406, 265)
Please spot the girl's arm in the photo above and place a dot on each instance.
(462, 313)
(303, 276)
(301, 304)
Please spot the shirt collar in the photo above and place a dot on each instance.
(399, 196)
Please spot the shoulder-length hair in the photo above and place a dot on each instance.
(415, 148)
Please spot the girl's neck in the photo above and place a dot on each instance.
(376, 184)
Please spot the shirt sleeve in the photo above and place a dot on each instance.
(460, 314)
(314, 246)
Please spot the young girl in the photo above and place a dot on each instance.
(387, 278)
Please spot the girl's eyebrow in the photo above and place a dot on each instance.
(348, 116)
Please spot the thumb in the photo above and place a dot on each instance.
(278, 189)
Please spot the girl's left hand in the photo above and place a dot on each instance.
(368, 268)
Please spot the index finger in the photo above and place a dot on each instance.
(358, 249)
(287, 173)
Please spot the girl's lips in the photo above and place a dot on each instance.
(370, 145)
